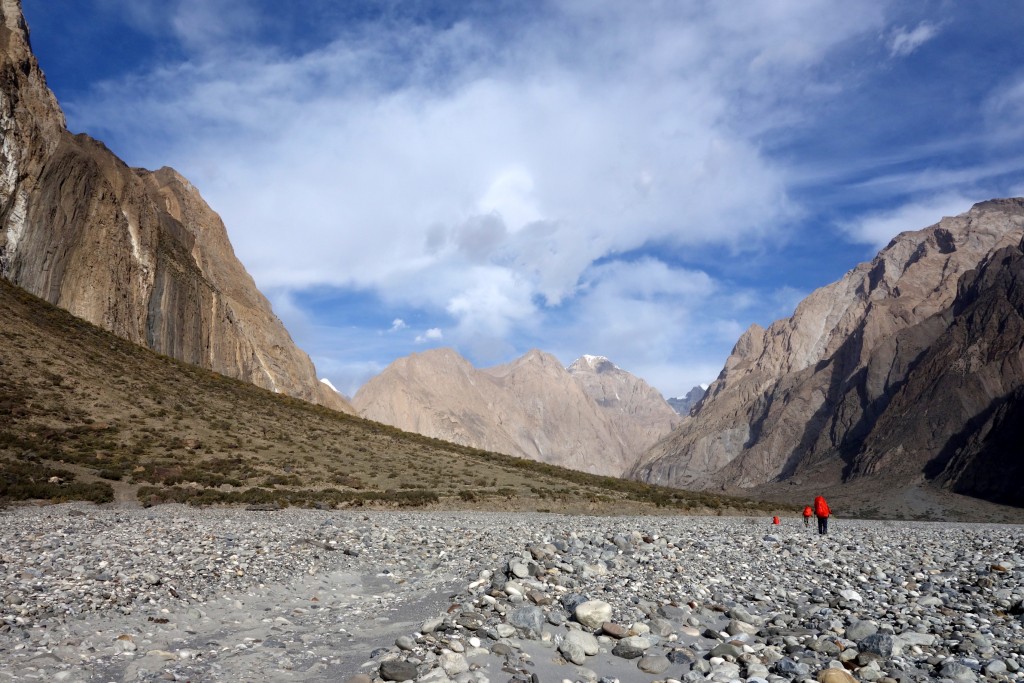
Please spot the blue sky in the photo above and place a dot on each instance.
(641, 180)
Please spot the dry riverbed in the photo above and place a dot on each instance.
(174, 593)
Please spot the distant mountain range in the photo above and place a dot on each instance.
(909, 369)
(684, 404)
(136, 252)
(592, 416)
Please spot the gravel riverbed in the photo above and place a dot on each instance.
(173, 593)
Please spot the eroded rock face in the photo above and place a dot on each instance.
(136, 252)
(828, 390)
(637, 409)
(532, 407)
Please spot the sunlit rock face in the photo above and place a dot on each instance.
(136, 252)
(532, 407)
(905, 368)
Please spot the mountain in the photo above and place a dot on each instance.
(136, 252)
(684, 404)
(532, 407)
(86, 415)
(637, 409)
(907, 370)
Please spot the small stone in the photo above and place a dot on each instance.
(653, 664)
(835, 676)
(397, 670)
(860, 629)
(631, 647)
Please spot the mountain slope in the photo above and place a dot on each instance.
(88, 415)
(638, 411)
(137, 252)
(532, 407)
(827, 391)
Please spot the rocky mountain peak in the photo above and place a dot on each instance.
(531, 407)
(592, 363)
(809, 392)
(138, 253)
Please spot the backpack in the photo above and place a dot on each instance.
(821, 507)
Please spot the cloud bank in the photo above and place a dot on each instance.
(586, 177)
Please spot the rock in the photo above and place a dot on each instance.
(859, 630)
(881, 644)
(653, 664)
(631, 647)
(453, 663)
(528, 620)
(593, 613)
(397, 670)
(585, 640)
(572, 652)
(958, 672)
(835, 676)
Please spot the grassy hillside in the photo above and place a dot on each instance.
(86, 415)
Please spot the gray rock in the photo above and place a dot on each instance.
(631, 647)
(397, 670)
(593, 613)
(860, 629)
(881, 644)
(653, 664)
(528, 620)
(572, 652)
(587, 641)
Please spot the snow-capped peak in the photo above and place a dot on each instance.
(331, 386)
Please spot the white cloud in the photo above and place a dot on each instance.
(397, 324)
(433, 334)
(493, 175)
(878, 229)
(904, 41)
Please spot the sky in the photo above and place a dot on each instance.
(641, 180)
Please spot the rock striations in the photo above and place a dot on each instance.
(910, 368)
(593, 417)
(136, 252)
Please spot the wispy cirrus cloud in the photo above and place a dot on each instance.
(904, 41)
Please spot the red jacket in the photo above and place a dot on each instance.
(821, 507)
(807, 511)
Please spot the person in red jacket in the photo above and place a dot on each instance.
(807, 516)
(822, 512)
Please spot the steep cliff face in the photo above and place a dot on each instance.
(136, 252)
(532, 407)
(818, 391)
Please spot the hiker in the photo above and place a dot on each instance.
(807, 516)
(822, 512)
(776, 520)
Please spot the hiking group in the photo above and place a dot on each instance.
(819, 510)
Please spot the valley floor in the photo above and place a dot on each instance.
(177, 593)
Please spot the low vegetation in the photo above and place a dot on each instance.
(85, 415)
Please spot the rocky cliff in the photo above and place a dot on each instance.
(639, 412)
(136, 252)
(908, 367)
(532, 408)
